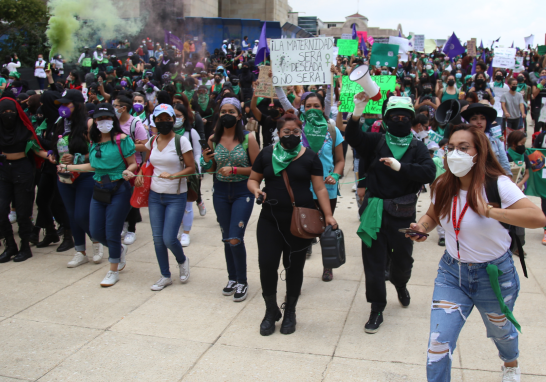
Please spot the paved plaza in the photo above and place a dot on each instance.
(58, 324)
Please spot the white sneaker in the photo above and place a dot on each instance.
(12, 217)
(184, 270)
(180, 232)
(354, 187)
(78, 259)
(110, 279)
(122, 260)
(202, 208)
(162, 283)
(130, 238)
(511, 374)
(98, 252)
(125, 229)
(185, 240)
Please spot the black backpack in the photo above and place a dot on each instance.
(493, 196)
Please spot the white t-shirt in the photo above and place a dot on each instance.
(481, 239)
(12, 66)
(168, 161)
(39, 70)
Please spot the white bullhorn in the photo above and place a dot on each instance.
(361, 75)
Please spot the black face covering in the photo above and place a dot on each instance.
(8, 119)
(514, 88)
(164, 128)
(450, 83)
(520, 149)
(274, 113)
(228, 121)
(399, 128)
(427, 90)
(479, 82)
(290, 142)
(498, 78)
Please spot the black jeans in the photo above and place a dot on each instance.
(17, 186)
(274, 240)
(389, 244)
(132, 218)
(49, 202)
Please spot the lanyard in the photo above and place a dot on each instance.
(457, 228)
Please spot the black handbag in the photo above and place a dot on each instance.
(103, 195)
(401, 207)
(332, 244)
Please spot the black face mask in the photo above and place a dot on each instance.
(245, 69)
(290, 142)
(423, 80)
(479, 82)
(399, 128)
(450, 83)
(274, 113)
(513, 88)
(8, 118)
(407, 82)
(427, 90)
(520, 80)
(164, 128)
(520, 149)
(498, 78)
(228, 121)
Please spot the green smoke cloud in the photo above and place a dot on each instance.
(75, 23)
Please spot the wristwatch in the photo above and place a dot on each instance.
(488, 211)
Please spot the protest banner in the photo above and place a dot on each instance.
(384, 55)
(536, 185)
(350, 88)
(402, 42)
(541, 50)
(440, 42)
(529, 41)
(504, 58)
(264, 88)
(362, 36)
(471, 48)
(347, 47)
(434, 136)
(381, 40)
(518, 68)
(347, 36)
(370, 40)
(419, 42)
(430, 45)
(302, 61)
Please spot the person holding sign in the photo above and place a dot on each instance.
(399, 165)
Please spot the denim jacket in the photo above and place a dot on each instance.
(498, 149)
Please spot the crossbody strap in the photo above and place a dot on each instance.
(118, 143)
(287, 183)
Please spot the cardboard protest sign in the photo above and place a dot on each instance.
(541, 50)
(349, 89)
(302, 61)
(264, 88)
(384, 55)
(504, 58)
(347, 47)
(347, 36)
(434, 136)
(430, 45)
(381, 40)
(529, 41)
(362, 36)
(471, 48)
(420, 42)
(518, 68)
(402, 42)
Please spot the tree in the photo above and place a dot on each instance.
(22, 29)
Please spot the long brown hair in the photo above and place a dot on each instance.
(486, 165)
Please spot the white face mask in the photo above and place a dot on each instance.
(429, 67)
(40, 59)
(105, 126)
(179, 122)
(422, 134)
(459, 164)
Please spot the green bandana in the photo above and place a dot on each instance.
(494, 272)
(441, 130)
(430, 72)
(180, 131)
(498, 84)
(179, 87)
(41, 128)
(217, 88)
(515, 156)
(315, 128)
(282, 157)
(236, 89)
(142, 116)
(95, 71)
(521, 87)
(398, 145)
(100, 98)
(291, 97)
(370, 221)
(459, 84)
(203, 101)
(189, 94)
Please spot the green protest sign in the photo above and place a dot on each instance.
(347, 47)
(541, 50)
(536, 185)
(384, 55)
(350, 88)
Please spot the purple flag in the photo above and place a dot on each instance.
(483, 56)
(490, 70)
(355, 36)
(453, 47)
(171, 39)
(512, 44)
(263, 49)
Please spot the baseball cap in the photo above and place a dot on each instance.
(104, 110)
(163, 108)
(69, 96)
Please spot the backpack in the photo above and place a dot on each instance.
(132, 132)
(333, 134)
(193, 181)
(493, 196)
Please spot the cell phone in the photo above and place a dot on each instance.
(204, 144)
(412, 232)
(260, 199)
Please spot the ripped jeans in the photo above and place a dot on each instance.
(233, 204)
(452, 304)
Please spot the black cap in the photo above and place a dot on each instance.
(71, 96)
(104, 110)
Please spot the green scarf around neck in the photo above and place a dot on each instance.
(189, 94)
(291, 97)
(398, 145)
(180, 131)
(521, 87)
(315, 128)
(203, 101)
(515, 156)
(236, 89)
(498, 84)
(282, 157)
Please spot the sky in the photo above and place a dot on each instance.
(487, 20)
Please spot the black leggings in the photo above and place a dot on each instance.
(49, 203)
(132, 218)
(274, 240)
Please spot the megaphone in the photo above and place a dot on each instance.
(361, 75)
(447, 111)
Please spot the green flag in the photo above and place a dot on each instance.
(384, 55)
(536, 185)
(541, 50)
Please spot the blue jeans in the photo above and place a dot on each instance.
(166, 212)
(452, 304)
(233, 204)
(77, 199)
(106, 220)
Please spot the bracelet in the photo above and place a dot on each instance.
(66, 167)
(540, 86)
(334, 175)
(234, 171)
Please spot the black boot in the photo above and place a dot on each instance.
(68, 241)
(10, 251)
(272, 314)
(35, 236)
(50, 237)
(288, 325)
(60, 230)
(24, 252)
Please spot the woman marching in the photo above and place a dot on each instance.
(474, 201)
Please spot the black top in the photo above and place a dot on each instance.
(299, 175)
(417, 168)
(269, 126)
